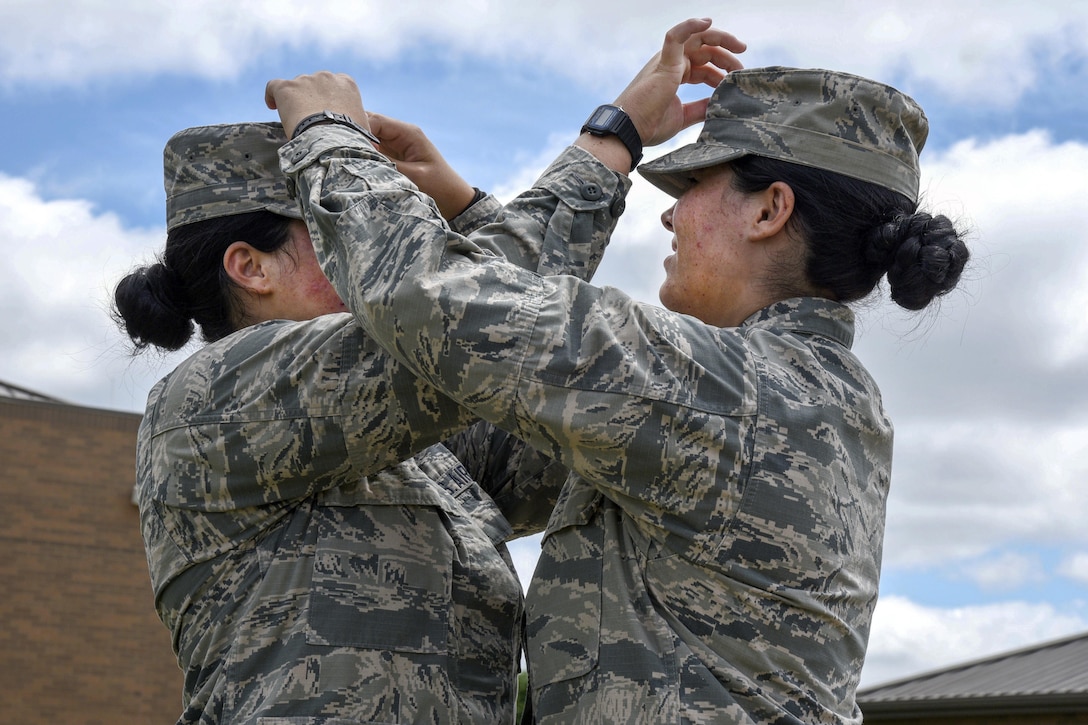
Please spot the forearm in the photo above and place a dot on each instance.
(381, 241)
(564, 223)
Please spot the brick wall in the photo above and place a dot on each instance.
(79, 640)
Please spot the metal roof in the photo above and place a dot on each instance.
(7, 390)
(1047, 677)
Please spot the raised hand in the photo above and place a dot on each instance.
(694, 52)
(420, 160)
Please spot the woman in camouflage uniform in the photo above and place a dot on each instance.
(715, 556)
(315, 552)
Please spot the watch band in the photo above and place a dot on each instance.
(331, 117)
(609, 120)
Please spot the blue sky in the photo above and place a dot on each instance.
(987, 545)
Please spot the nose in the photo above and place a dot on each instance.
(666, 217)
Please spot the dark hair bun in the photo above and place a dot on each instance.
(150, 304)
(926, 256)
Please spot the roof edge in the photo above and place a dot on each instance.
(1035, 704)
(928, 674)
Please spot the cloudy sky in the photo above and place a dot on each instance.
(987, 545)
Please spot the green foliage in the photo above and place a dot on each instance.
(523, 686)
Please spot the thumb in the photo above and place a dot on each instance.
(378, 122)
(270, 94)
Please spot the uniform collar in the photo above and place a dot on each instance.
(811, 315)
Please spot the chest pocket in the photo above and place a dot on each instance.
(382, 565)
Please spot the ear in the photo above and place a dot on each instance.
(249, 268)
(775, 206)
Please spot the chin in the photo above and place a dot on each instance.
(664, 298)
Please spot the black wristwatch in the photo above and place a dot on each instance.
(330, 117)
(611, 120)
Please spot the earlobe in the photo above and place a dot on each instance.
(248, 268)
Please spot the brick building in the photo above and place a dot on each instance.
(80, 643)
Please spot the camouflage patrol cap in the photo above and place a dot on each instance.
(820, 118)
(215, 171)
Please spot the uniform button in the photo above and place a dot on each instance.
(618, 206)
(591, 192)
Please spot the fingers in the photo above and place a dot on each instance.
(270, 93)
(378, 122)
(713, 55)
(698, 43)
(694, 112)
(706, 75)
(390, 129)
(403, 142)
(717, 38)
(672, 52)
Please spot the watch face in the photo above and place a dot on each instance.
(604, 116)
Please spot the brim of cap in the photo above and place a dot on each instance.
(178, 214)
(672, 172)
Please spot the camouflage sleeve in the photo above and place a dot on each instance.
(522, 482)
(563, 229)
(282, 410)
(476, 215)
(559, 363)
(564, 238)
(758, 455)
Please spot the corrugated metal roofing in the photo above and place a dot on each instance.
(1048, 673)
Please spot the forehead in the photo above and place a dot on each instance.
(711, 177)
(712, 172)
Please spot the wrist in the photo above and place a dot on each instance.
(477, 196)
(329, 117)
(609, 150)
(454, 204)
(610, 121)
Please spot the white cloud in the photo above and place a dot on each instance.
(985, 52)
(1020, 197)
(62, 259)
(1075, 567)
(962, 490)
(1007, 571)
(908, 638)
(988, 396)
